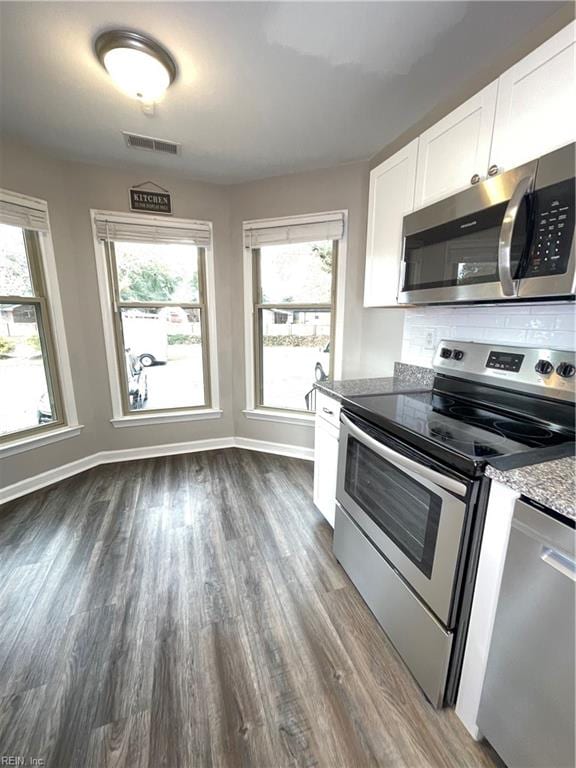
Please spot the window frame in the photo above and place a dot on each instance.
(255, 409)
(119, 305)
(258, 308)
(111, 305)
(51, 330)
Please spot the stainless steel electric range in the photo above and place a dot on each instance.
(411, 491)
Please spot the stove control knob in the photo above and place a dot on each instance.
(445, 353)
(458, 354)
(566, 370)
(544, 367)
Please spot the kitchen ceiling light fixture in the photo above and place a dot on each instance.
(139, 66)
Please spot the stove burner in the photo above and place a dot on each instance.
(458, 440)
(519, 429)
(508, 428)
(465, 410)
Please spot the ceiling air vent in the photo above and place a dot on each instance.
(135, 141)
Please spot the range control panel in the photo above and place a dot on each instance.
(505, 361)
(546, 372)
(553, 230)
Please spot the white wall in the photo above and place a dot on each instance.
(547, 325)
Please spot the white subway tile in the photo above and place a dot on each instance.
(531, 322)
(540, 337)
(551, 309)
(552, 325)
(563, 340)
(565, 322)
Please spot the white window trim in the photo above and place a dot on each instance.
(119, 418)
(71, 428)
(28, 443)
(266, 414)
(143, 419)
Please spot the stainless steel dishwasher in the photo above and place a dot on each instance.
(527, 707)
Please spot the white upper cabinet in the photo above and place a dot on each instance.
(536, 109)
(391, 197)
(455, 149)
(529, 111)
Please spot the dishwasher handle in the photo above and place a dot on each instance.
(563, 563)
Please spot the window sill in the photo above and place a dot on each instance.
(285, 417)
(170, 417)
(24, 444)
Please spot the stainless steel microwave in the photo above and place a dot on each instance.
(510, 237)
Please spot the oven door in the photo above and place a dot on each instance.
(412, 513)
(471, 246)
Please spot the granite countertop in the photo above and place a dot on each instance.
(552, 483)
(407, 378)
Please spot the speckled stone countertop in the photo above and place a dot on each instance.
(407, 378)
(552, 483)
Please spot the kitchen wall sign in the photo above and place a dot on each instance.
(157, 200)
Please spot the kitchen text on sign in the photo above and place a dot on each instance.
(151, 202)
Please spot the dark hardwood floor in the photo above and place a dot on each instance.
(188, 611)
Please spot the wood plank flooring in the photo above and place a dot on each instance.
(188, 612)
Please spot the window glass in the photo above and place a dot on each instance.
(295, 352)
(14, 270)
(297, 273)
(25, 400)
(157, 272)
(163, 357)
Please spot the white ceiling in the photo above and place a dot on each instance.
(263, 88)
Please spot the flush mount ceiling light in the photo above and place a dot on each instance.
(139, 66)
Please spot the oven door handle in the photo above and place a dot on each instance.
(455, 486)
(523, 187)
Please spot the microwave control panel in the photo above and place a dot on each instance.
(553, 230)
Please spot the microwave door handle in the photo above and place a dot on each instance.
(403, 461)
(523, 187)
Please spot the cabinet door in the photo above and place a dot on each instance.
(456, 148)
(536, 110)
(325, 468)
(391, 197)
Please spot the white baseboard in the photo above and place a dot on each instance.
(169, 449)
(37, 482)
(280, 449)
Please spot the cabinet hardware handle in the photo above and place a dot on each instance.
(327, 410)
(493, 170)
(475, 179)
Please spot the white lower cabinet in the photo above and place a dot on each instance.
(326, 437)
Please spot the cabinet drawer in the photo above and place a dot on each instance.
(328, 409)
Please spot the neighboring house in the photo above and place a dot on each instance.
(15, 320)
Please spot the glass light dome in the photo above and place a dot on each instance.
(139, 66)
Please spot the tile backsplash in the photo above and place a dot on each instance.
(546, 325)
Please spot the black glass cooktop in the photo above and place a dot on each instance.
(458, 426)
